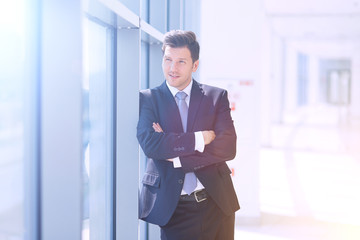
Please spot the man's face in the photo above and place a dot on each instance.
(178, 67)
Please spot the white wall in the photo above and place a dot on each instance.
(313, 94)
(232, 37)
(277, 77)
(290, 83)
(355, 82)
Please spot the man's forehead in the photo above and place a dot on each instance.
(179, 52)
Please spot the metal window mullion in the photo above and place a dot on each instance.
(127, 156)
(32, 123)
(111, 70)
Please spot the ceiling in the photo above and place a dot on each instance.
(315, 19)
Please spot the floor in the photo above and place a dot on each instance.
(309, 178)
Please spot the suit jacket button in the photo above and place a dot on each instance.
(180, 181)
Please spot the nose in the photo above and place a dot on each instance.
(173, 66)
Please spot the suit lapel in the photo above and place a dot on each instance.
(195, 100)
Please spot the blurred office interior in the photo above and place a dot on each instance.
(70, 72)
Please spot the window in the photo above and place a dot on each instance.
(98, 130)
(12, 119)
(302, 61)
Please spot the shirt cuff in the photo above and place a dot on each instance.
(176, 162)
(199, 142)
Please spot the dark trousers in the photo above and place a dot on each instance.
(199, 221)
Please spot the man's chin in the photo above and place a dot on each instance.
(172, 83)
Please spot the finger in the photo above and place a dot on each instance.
(155, 127)
(159, 127)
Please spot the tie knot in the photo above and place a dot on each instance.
(181, 95)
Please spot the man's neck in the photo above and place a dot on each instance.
(174, 90)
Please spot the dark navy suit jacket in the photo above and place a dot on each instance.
(162, 183)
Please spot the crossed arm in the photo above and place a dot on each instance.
(208, 135)
(220, 142)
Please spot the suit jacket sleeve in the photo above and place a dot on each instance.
(223, 148)
(160, 146)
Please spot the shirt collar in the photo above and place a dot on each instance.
(186, 90)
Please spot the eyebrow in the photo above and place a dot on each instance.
(166, 56)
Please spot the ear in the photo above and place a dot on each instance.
(195, 65)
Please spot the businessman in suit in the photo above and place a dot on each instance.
(186, 131)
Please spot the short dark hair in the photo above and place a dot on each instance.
(181, 38)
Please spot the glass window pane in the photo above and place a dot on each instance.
(12, 68)
(98, 131)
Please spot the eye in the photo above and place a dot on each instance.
(182, 62)
(167, 59)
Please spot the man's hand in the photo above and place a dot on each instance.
(209, 136)
(157, 128)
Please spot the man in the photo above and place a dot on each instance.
(186, 131)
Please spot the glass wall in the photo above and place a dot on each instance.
(125, 34)
(69, 86)
(98, 125)
(12, 119)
